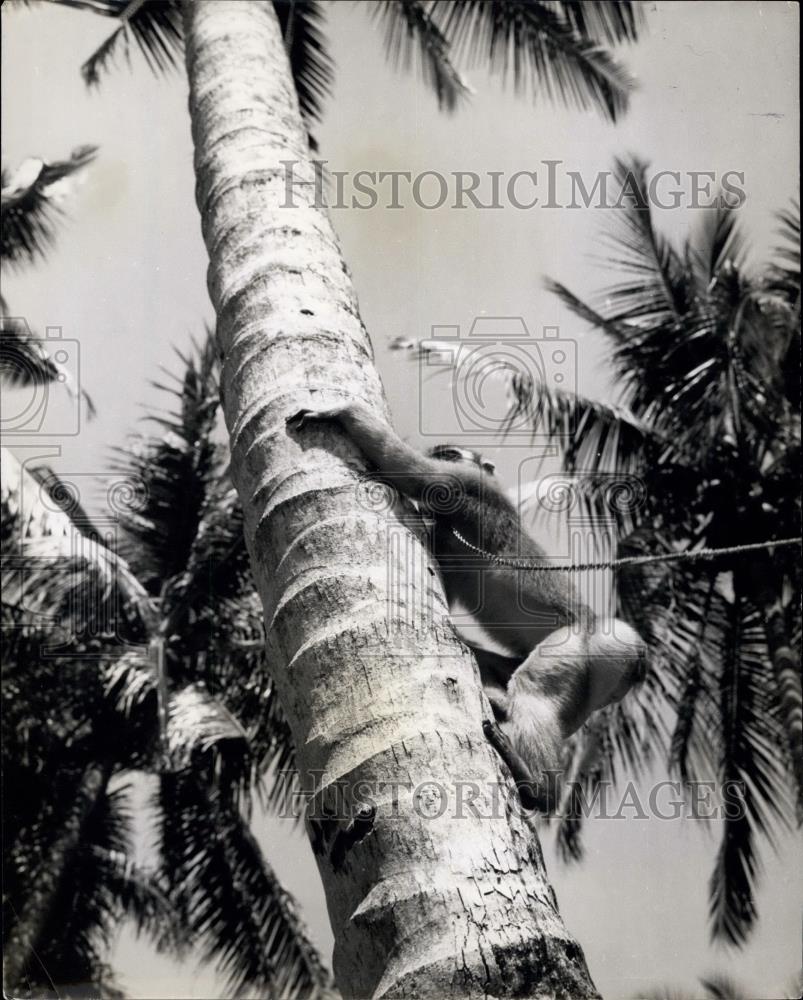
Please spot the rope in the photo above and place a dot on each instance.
(697, 555)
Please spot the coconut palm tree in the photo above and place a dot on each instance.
(163, 663)
(707, 356)
(68, 869)
(366, 682)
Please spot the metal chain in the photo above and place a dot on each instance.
(698, 554)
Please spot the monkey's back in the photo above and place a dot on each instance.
(518, 607)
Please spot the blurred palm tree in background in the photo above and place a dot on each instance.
(157, 665)
(706, 355)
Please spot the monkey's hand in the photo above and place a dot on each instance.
(303, 418)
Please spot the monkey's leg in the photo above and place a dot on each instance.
(532, 793)
(499, 702)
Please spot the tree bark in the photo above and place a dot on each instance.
(375, 686)
(24, 937)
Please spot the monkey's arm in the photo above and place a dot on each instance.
(403, 467)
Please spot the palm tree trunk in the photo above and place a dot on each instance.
(24, 937)
(373, 691)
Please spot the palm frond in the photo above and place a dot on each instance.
(129, 681)
(197, 723)
(692, 670)
(23, 359)
(99, 884)
(784, 272)
(156, 29)
(605, 21)
(412, 35)
(70, 578)
(717, 241)
(26, 361)
(302, 23)
(217, 595)
(173, 473)
(594, 437)
(230, 897)
(754, 776)
(29, 205)
(721, 987)
(541, 46)
(138, 894)
(660, 289)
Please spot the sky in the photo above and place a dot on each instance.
(126, 285)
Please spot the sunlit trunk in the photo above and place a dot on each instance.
(374, 691)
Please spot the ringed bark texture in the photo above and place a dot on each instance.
(437, 894)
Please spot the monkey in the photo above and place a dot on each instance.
(562, 663)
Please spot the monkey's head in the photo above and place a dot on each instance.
(454, 453)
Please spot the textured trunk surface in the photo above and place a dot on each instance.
(455, 905)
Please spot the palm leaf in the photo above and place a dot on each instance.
(23, 359)
(661, 292)
(155, 27)
(197, 723)
(721, 987)
(99, 885)
(29, 205)
(784, 272)
(411, 35)
(311, 65)
(751, 768)
(594, 437)
(541, 46)
(174, 473)
(605, 21)
(230, 897)
(718, 240)
(68, 575)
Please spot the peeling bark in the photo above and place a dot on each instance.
(375, 686)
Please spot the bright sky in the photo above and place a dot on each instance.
(718, 92)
